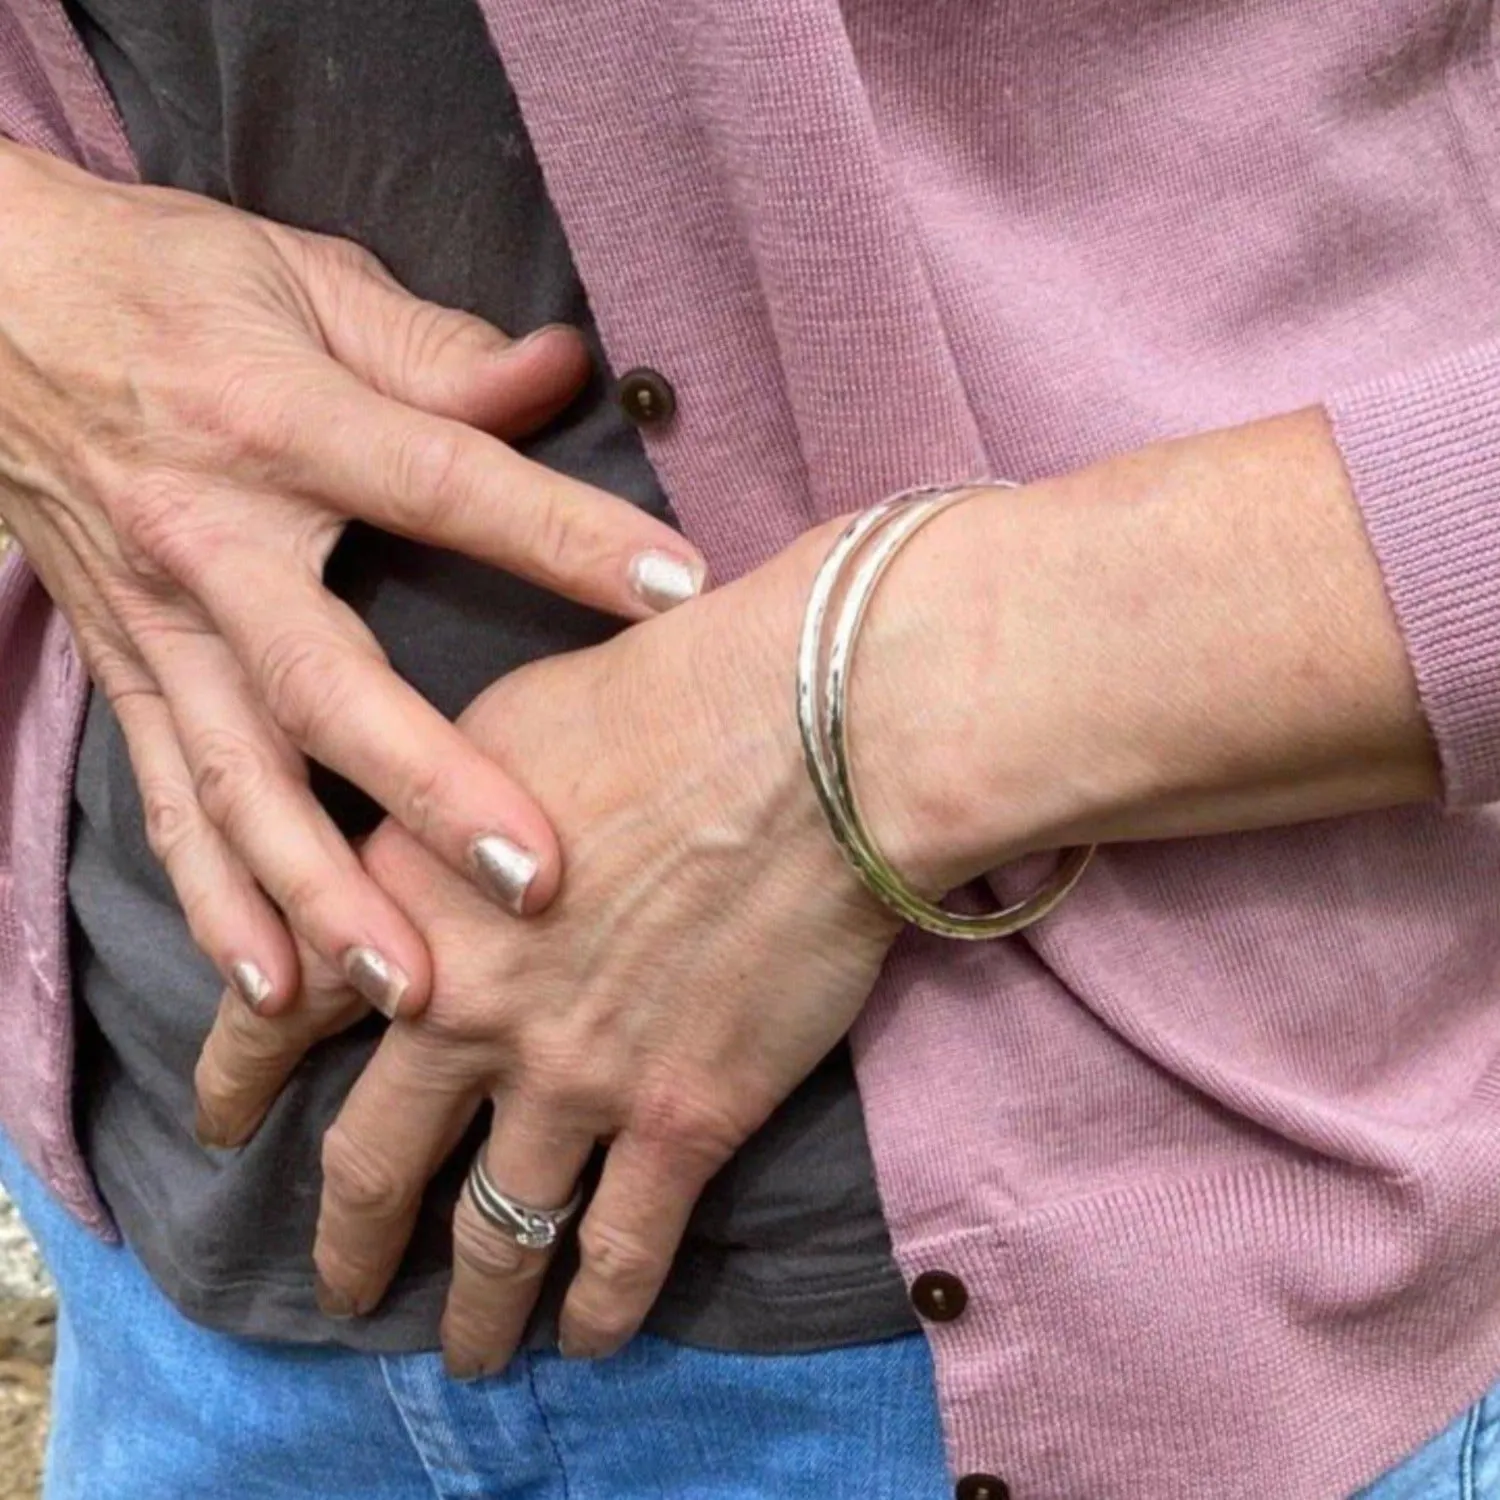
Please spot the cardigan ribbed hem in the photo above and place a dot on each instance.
(1240, 1359)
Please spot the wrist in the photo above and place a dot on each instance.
(937, 790)
(1192, 639)
(943, 679)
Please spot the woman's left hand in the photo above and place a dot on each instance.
(708, 948)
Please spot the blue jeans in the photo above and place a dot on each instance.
(147, 1406)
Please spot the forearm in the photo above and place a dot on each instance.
(1191, 639)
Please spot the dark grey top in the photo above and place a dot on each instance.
(392, 123)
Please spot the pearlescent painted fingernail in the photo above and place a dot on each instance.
(504, 869)
(250, 984)
(662, 581)
(376, 978)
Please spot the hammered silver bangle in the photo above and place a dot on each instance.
(850, 575)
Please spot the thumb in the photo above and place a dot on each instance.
(440, 360)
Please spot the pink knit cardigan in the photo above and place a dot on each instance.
(1216, 1150)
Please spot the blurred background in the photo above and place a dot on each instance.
(28, 1316)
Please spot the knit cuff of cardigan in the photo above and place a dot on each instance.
(1422, 448)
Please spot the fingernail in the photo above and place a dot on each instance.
(545, 331)
(250, 983)
(504, 869)
(573, 1351)
(463, 1370)
(333, 1303)
(662, 582)
(376, 978)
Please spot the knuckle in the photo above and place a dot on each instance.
(685, 1124)
(359, 1178)
(466, 1018)
(451, 1021)
(229, 774)
(310, 897)
(112, 664)
(332, 256)
(170, 816)
(621, 1260)
(350, 256)
(429, 475)
(491, 1255)
(554, 539)
(300, 682)
(148, 511)
(432, 333)
(564, 1078)
(431, 790)
(239, 410)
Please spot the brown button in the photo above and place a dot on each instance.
(981, 1487)
(647, 397)
(939, 1296)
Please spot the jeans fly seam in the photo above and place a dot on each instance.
(411, 1435)
(1466, 1485)
(552, 1443)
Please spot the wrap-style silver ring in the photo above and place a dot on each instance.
(532, 1228)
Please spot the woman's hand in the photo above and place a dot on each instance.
(707, 949)
(195, 403)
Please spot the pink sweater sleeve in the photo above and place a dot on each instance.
(1422, 448)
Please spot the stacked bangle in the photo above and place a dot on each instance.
(848, 578)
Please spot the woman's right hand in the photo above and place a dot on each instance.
(195, 403)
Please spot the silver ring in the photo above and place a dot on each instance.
(532, 1228)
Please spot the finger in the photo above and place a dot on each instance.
(230, 919)
(627, 1241)
(536, 1157)
(328, 685)
(254, 793)
(452, 486)
(446, 362)
(229, 916)
(248, 1057)
(402, 1119)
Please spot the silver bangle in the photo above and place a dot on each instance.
(825, 659)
